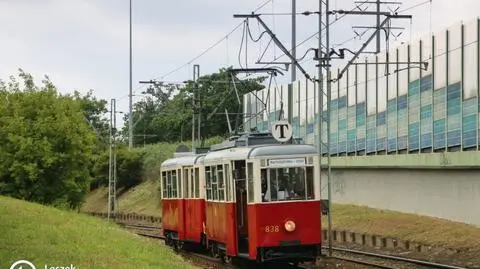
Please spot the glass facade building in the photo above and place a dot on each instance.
(392, 108)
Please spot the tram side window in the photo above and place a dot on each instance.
(214, 183)
(221, 184)
(186, 179)
(208, 180)
(227, 183)
(197, 183)
(251, 193)
(179, 189)
(310, 188)
(174, 184)
(294, 183)
(169, 184)
(164, 184)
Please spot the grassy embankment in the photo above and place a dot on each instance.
(45, 235)
(144, 199)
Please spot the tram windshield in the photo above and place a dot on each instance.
(285, 184)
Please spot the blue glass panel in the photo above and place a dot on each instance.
(351, 146)
(333, 148)
(426, 140)
(402, 142)
(371, 121)
(381, 118)
(351, 134)
(310, 127)
(342, 147)
(413, 136)
(439, 126)
(371, 146)
(360, 143)
(470, 106)
(469, 138)
(439, 141)
(360, 120)
(381, 143)
(402, 102)
(342, 124)
(453, 138)
(426, 83)
(414, 87)
(392, 105)
(426, 112)
(453, 91)
(271, 116)
(334, 104)
(342, 101)
(470, 122)
(360, 110)
(392, 144)
(453, 107)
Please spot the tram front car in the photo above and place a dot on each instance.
(284, 208)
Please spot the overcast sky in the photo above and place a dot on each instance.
(83, 44)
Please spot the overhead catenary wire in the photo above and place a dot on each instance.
(213, 45)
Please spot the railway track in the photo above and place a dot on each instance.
(376, 260)
(363, 258)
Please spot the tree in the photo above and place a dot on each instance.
(46, 143)
(166, 113)
(93, 110)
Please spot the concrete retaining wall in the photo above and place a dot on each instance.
(449, 194)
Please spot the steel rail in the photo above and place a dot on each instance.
(396, 258)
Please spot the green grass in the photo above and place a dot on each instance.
(45, 235)
(142, 199)
(421, 229)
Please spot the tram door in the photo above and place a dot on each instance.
(239, 174)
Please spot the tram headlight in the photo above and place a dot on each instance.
(290, 226)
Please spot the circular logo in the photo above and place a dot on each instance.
(22, 264)
(282, 131)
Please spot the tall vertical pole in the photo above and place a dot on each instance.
(109, 203)
(294, 67)
(294, 40)
(320, 90)
(329, 98)
(378, 25)
(130, 105)
(114, 190)
(196, 75)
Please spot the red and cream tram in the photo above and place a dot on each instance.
(183, 204)
(262, 200)
(267, 205)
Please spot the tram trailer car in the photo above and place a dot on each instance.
(183, 204)
(263, 203)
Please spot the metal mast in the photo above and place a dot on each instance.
(130, 101)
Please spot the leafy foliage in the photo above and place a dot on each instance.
(46, 144)
(129, 168)
(165, 115)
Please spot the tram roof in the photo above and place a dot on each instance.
(182, 161)
(242, 153)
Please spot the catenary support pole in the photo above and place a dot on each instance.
(319, 140)
(130, 101)
(294, 39)
(110, 159)
(114, 187)
(329, 97)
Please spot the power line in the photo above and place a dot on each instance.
(213, 45)
(336, 20)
